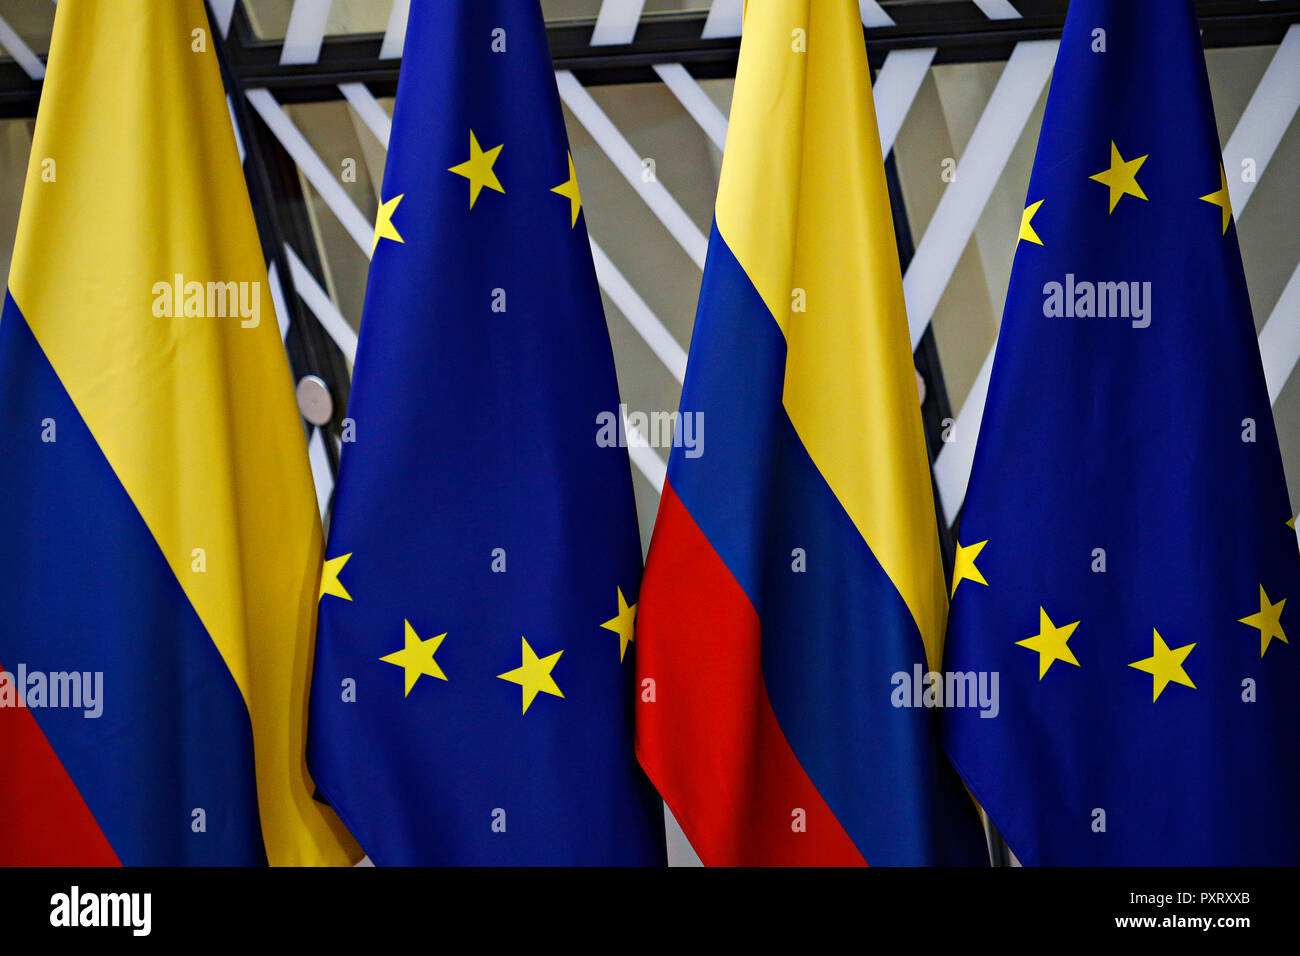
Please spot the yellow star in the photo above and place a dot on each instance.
(569, 190)
(1290, 523)
(478, 169)
(329, 578)
(416, 658)
(1050, 643)
(1026, 230)
(964, 568)
(1121, 177)
(622, 624)
(384, 228)
(1269, 621)
(534, 675)
(1221, 198)
(1165, 665)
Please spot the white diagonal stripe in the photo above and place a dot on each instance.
(1279, 341)
(321, 305)
(724, 20)
(277, 299)
(368, 108)
(952, 464)
(896, 86)
(306, 31)
(627, 162)
(20, 51)
(645, 458)
(313, 167)
(696, 102)
(616, 22)
(1268, 114)
(1262, 125)
(234, 125)
(638, 314)
(998, 9)
(223, 11)
(320, 470)
(981, 166)
(873, 15)
(395, 34)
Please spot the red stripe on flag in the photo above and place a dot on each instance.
(709, 740)
(45, 820)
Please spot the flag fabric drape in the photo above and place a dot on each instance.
(1126, 549)
(471, 702)
(794, 571)
(162, 538)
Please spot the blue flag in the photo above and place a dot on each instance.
(1126, 562)
(472, 692)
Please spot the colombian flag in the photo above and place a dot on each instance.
(795, 568)
(162, 541)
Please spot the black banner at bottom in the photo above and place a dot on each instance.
(360, 905)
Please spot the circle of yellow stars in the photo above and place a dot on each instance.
(1120, 178)
(1165, 665)
(480, 171)
(416, 656)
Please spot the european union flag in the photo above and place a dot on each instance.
(472, 693)
(1126, 556)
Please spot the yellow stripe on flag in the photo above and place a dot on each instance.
(803, 206)
(134, 181)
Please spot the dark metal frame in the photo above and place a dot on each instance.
(957, 28)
